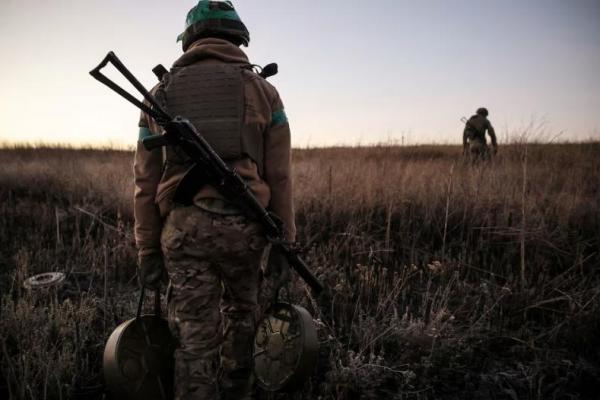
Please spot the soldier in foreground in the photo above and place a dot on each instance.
(212, 252)
(474, 140)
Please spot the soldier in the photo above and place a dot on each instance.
(474, 142)
(212, 252)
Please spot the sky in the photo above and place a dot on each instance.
(351, 72)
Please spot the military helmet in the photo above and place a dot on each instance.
(214, 19)
(482, 111)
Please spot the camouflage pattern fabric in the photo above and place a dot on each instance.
(213, 263)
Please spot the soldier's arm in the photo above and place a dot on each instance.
(492, 134)
(278, 168)
(147, 173)
(465, 136)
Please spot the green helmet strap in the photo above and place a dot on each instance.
(214, 18)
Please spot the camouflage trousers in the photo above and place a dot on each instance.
(213, 263)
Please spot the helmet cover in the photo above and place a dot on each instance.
(214, 19)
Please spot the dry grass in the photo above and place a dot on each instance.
(448, 281)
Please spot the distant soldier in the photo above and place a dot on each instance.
(212, 252)
(474, 141)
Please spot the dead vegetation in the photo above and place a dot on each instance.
(448, 281)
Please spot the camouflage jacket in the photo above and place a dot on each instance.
(263, 110)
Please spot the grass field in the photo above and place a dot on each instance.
(449, 281)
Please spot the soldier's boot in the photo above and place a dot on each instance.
(236, 379)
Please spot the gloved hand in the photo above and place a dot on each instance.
(275, 275)
(151, 269)
(278, 265)
(495, 150)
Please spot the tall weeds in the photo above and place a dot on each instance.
(448, 281)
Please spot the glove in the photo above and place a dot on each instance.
(495, 150)
(278, 266)
(275, 275)
(151, 269)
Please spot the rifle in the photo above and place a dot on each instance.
(181, 132)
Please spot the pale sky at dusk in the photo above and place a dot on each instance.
(350, 71)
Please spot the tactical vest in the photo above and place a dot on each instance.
(211, 97)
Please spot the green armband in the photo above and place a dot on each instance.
(144, 133)
(279, 118)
